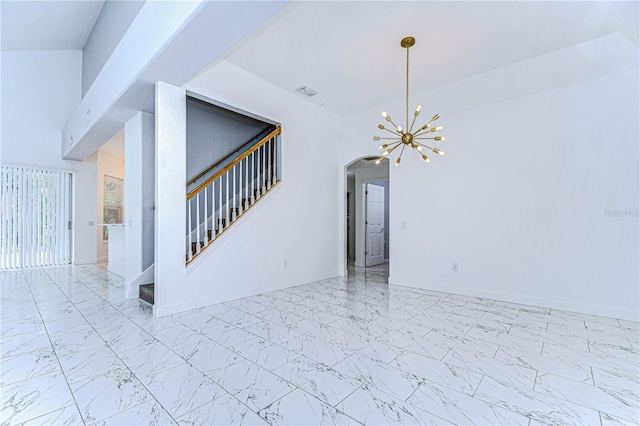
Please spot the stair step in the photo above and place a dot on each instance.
(146, 293)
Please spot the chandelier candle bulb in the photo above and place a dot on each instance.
(399, 129)
(376, 138)
(398, 162)
(380, 126)
(383, 146)
(439, 138)
(425, 158)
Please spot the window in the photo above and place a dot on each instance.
(35, 216)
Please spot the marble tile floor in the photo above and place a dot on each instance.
(340, 351)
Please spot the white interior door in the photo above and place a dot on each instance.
(374, 225)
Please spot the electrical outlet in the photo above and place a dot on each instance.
(454, 267)
(285, 263)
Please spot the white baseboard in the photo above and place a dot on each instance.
(85, 261)
(170, 309)
(604, 311)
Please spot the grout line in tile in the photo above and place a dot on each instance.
(55, 353)
(476, 389)
(496, 352)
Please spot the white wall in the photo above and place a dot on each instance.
(114, 20)
(39, 92)
(296, 222)
(108, 165)
(212, 133)
(521, 199)
(140, 198)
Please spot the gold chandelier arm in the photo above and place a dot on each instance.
(423, 130)
(435, 138)
(436, 150)
(394, 125)
(392, 132)
(426, 146)
(393, 148)
(428, 130)
(400, 156)
(413, 122)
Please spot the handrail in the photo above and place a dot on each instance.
(229, 166)
(224, 158)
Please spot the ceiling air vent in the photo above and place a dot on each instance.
(306, 91)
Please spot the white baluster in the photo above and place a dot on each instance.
(206, 217)
(241, 206)
(264, 170)
(253, 178)
(275, 161)
(213, 210)
(227, 199)
(268, 146)
(233, 209)
(189, 239)
(246, 182)
(220, 208)
(198, 223)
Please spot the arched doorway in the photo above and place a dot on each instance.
(367, 240)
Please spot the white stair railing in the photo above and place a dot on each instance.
(215, 204)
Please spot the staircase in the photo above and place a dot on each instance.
(219, 199)
(146, 293)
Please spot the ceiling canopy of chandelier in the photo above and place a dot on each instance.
(407, 137)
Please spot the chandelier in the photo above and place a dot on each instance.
(407, 137)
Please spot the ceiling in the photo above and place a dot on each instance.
(349, 52)
(47, 25)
